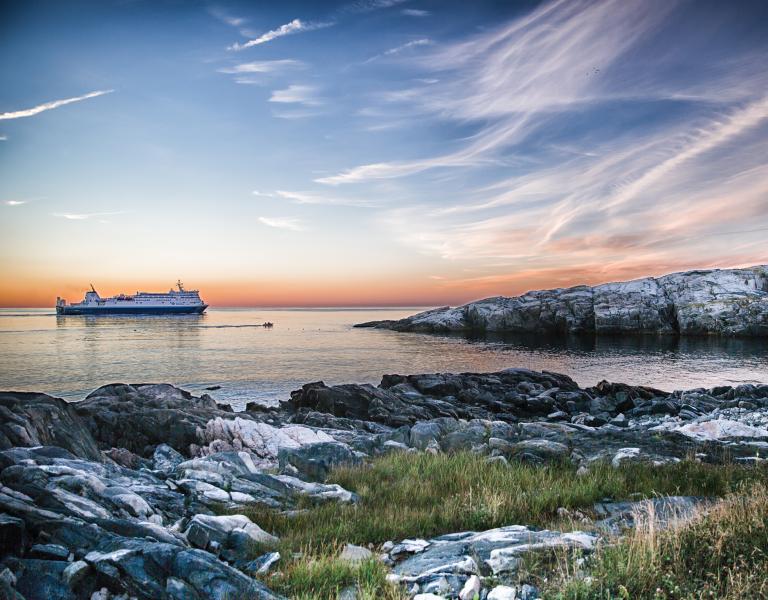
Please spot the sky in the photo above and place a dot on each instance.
(377, 152)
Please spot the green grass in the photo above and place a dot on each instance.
(323, 577)
(423, 495)
(722, 553)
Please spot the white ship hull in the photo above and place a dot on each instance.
(175, 302)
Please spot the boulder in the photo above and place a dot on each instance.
(355, 554)
(718, 429)
(233, 535)
(459, 556)
(540, 450)
(29, 419)
(262, 440)
(315, 461)
(502, 592)
(166, 459)
(262, 564)
(423, 433)
(471, 589)
(139, 417)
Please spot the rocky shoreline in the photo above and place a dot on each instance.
(120, 495)
(727, 302)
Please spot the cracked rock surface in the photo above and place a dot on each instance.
(728, 302)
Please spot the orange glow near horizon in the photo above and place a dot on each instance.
(33, 292)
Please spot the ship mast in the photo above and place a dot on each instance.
(180, 285)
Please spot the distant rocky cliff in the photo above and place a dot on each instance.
(730, 302)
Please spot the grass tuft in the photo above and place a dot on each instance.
(324, 576)
(722, 553)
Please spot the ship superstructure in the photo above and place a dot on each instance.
(175, 301)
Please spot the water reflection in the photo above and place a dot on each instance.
(70, 356)
(640, 344)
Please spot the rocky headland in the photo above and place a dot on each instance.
(139, 491)
(726, 302)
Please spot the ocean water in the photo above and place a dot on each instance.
(71, 356)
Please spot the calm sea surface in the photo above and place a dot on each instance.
(71, 356)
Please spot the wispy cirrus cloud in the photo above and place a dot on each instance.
(400, 49)
(85, 216)
(260, 72)
(263, 66)
(14, 202)
(313, 198)
(415, 12)
(290, 28)
(289, 223)
(296, 94)
(36, 110)
(300, 26)
(564, 170)
(364, 6)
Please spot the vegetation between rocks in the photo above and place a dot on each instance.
(313, 576)
(421, 495)
(722, 553)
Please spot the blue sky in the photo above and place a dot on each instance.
(377, 151)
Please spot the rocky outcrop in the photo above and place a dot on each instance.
(139, 417)
(70, 526)
(91, 501)
(728, 302)
(536, 417)
(79, 514)
(88, 525)
(404, 400)
(28, 419)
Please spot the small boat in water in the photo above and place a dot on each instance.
(176, 301)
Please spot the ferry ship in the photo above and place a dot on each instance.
(176, 301)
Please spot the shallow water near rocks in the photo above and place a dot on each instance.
(71, 356)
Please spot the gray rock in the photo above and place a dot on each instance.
(29, 419)
(541, 450)
(140, 417)
(49, 552)
(721, 302)
(42, 580)
(166, 459)
(226, 530)
(502, 592)
(316, 460)
(423, 433)
(497, 551)
(262, 564)
(624, 455)
(75, 572)
(471, 589)
(143, 569)
(355, 554)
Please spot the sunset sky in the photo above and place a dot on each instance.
(377, 152)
